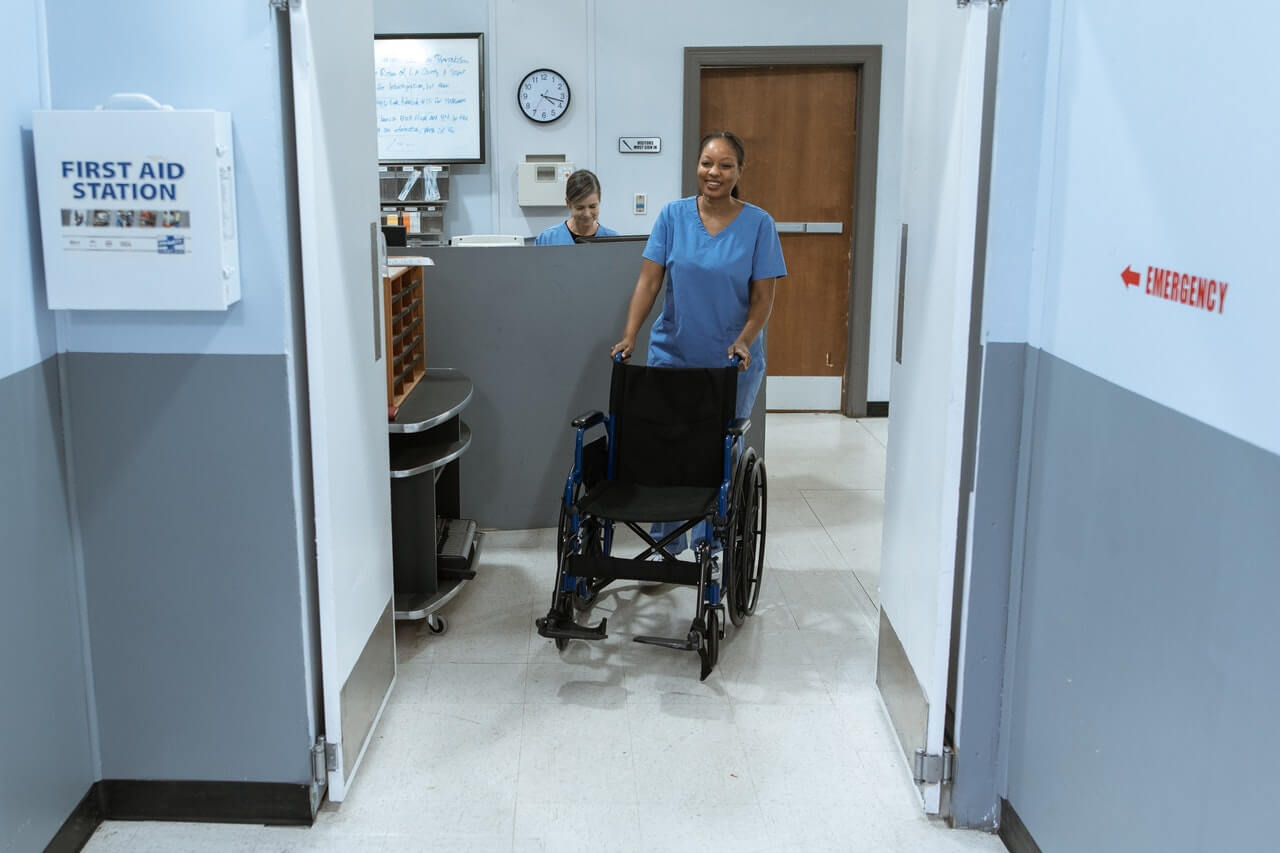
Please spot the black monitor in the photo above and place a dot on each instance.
(396, 235)
(621, 238)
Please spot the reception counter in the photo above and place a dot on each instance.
(532, 327)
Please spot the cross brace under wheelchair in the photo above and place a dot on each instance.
(603, 571)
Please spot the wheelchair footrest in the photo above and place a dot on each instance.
(552, 628)
(618, 568)
(685, 645)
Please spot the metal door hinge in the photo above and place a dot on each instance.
(317, 761)
(934, 769)
(324, 758)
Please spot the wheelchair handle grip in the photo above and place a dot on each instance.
(619, 357)
(735, 359)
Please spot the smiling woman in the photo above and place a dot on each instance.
(721, 259)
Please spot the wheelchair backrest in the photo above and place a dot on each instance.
(669, 423)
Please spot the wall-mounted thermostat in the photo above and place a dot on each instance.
(137, 208)
(541, 180)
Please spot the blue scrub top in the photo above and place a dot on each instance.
(709, 280)
(560, 235)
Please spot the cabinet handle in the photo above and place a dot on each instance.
(375, 256)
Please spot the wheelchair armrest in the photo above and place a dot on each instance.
(739, 426)
(587, 419)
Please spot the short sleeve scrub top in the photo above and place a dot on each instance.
(708, 289)
(560, 235)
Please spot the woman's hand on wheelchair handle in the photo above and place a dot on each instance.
(622, 350)
(742, 352)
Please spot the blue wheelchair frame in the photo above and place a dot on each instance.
(574, 589)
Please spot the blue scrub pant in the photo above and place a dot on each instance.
(748, 387)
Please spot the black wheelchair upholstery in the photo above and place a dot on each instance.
(671, 452)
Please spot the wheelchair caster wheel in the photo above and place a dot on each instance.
(437, 624)
(709, 649)
(582, 603)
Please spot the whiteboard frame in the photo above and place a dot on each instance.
(478, 38)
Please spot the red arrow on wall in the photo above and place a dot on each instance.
(1130, 277)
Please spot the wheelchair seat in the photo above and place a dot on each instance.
(634, 502)
(671, 452)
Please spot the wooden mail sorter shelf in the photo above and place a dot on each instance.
(406, 332)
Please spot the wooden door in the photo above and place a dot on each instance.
(798, 125)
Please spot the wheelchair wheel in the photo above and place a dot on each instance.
(750, 515)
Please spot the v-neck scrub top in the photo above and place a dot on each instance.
(708, 290)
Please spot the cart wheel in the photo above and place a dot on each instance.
(709, 649)
(437, 624)
(749, 534)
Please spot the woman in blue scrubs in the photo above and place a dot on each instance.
(582, 195)
(722, 259)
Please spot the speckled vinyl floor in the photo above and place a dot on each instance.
(493, 741)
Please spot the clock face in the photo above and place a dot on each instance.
(543, 95)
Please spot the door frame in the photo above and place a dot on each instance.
(866, 59)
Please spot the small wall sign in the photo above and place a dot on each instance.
(639, 144)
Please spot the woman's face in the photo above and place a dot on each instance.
(584, 212)
(718, 169)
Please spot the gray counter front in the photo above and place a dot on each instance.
(532, 328)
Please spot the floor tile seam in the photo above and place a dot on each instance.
(515, 801)
(827, 533)
(809, 490)
(865, 592)
(631, 757)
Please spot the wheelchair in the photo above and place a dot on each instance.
(671, 451)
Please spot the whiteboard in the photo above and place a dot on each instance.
(430, 97)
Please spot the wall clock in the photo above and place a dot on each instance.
(543, 95)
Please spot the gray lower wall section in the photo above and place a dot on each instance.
(48, 762)
(975, 796)
(532, 328)
(193, 576)
(1144, 692)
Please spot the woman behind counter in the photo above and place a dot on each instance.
(582, 196)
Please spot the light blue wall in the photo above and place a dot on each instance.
(175, 416)
(1142, 539)
(49, 756)
(219, 56)
(28, 327)
(625, 63)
